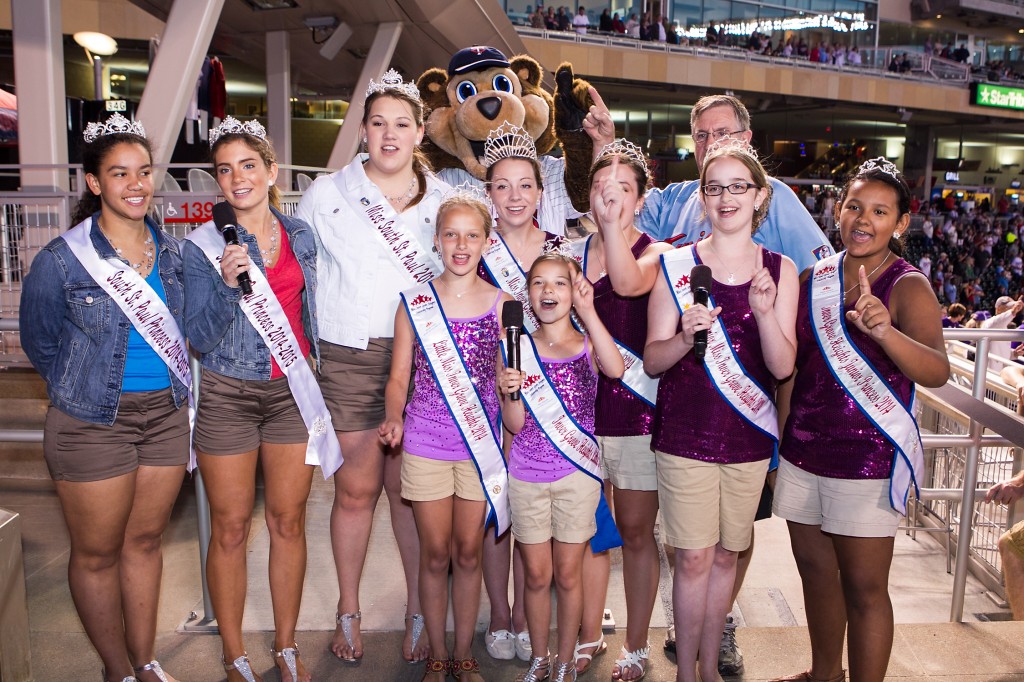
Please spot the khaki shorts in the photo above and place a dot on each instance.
(148, 431)
(353, 381)
(857, 508)
(236, 415)
(564, 510)
(704, 504)
(629, 462)
(1016, 539)
(425, 479)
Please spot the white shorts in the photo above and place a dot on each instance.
(629, 462)
(857, 508)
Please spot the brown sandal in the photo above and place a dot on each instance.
(436, 666)
(468, 667)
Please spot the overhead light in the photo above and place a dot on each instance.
(271, 4)
(97, 43)
(938, 16)
(324, 22)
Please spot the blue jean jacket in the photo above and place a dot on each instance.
(74, 333)
(215, 325)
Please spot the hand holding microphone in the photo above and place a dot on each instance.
(700, 285)
(225, 220)
(512, 321)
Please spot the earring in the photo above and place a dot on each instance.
(270, 183)
(636, 211)
(434, 248)
(757, 207)
(896, 235)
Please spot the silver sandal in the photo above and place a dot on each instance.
(540, 670)
(417, 629)
(564, 672)
(345, 621)
(241, 664)
(155, 667)
(130, 678)
(289, 654)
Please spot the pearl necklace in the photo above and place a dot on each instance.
(409, 193)
(856, 284)
(271, 252)
(148, 255)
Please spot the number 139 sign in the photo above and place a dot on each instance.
(189, 212)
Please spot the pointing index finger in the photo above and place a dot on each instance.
(758, 259)
(596, 96)
(865, 285)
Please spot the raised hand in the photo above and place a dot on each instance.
(606, 200)
(582, 295)
(598, 121)
(762, 287)
(869, 314)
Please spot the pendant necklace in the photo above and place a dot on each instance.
(409, 193)
(857, 283)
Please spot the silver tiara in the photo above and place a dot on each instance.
(880, 164)
(232, 126)
(508, 141)
(730, 143)
(115, 125)
(392, 80)
(624, 147)
(467, 190)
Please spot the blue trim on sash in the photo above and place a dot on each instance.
(514, 262)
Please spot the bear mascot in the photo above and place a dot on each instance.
(481, 90)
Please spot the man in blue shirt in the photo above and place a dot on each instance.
(676, 211)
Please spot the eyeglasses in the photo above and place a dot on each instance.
(734, 188)
(701, 138)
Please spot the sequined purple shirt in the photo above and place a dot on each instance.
(430, 429)
(826, 433)
(533, 458)
(619, 412)
(691, 418)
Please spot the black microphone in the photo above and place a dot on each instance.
(225, 220)
(700, 285)
(512, 321)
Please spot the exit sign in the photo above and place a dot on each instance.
(988, 95)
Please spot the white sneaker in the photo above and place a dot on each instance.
(524, 649)
(501, 644)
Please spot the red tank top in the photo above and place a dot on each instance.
(288, 285)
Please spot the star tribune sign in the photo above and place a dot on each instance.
(987, 95)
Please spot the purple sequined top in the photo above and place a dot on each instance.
(552, 242)
(430, 429)
(826, 433)
(619, 412)
(533, 458)
(691, 418)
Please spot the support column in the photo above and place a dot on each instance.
(279, 106)
(919, 159)
(376, 64)
(39, 76)
(172, 78)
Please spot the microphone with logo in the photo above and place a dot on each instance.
(512, 321)
(700, 285)
(225, 220)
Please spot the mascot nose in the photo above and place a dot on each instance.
(490, 107)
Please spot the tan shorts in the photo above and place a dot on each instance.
(704, 504)
(629, 462)
(1016, 538)
(236, 415)
(425, 479)
(563, 510)
(353, 381)
(855, 507)
(148, 431)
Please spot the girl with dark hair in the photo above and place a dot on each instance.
(259, 400)
(868, 329)
(101, 322)
(374, 223)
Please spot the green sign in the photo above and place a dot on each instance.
(987, 95)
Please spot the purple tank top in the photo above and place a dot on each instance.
(430, 429)
(619, 412)
(533, 458)
(826, 433)
(552, 242)
(691, 418)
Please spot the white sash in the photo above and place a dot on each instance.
(141, 305)
(404, 246)
(266, 315)
(727, 373)
(504, 269)
(862, 382)
(461, 398)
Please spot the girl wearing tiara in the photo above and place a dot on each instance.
(116, 440)
(259, 401)
(869, 328)
(452, 463)
(715, 424)
(624, 265)
(374, 222)
(554, 464)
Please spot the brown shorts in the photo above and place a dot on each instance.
(353, 381)
(236, 415)
(148, 431)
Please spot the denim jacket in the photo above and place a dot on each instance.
(215, 324)
(74, 333)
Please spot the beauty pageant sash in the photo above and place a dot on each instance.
(727, 373)
(266, 315)
(862, 382)
(141, 305)
(504, 269)
(403, 244)
(461, 398)
(571, 440)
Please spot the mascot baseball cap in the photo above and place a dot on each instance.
(478, 57)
